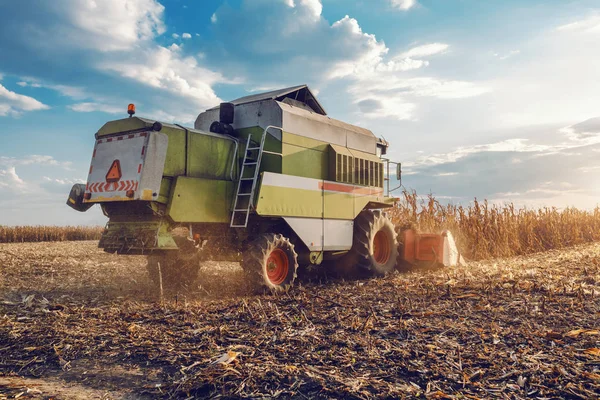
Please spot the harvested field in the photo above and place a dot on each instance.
(78, 323)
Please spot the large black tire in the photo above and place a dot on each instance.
(271, 263)
(374, 249)
(179, 268)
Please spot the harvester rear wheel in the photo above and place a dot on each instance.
(375, 249)
(270, 263)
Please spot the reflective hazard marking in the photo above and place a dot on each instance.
(343, 188)
(101, 187)
(114, 172)
(297, 182)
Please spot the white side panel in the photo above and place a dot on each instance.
(291, 181)
(337, 234)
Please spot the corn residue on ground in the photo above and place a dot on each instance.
(75, 318)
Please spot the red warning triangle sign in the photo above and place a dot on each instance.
(114, 172)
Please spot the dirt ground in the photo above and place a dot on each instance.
(77, 323)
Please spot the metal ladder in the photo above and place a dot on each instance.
(244, 199)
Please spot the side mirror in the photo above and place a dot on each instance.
(399, 172)
(75, 200)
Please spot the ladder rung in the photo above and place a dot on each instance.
(244, 194)
(253, 148)
(246, 179)
(238, 226)
(251, 163)
(241, 210)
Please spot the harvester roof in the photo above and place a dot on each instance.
(295, 110)
(295, 95)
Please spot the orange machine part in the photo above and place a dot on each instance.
(430, 247)
(424, 247)
(409, 245)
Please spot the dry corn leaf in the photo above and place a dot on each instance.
(577, 332)
(226, 358)
(467, 295)
(593, 351)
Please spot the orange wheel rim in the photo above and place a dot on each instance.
(381, 247)
(277, 266)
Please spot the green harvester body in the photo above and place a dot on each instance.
(276, 162)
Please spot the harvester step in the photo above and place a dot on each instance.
(238, 226)
(241, 210)
(253, 148)
(251, 163)
(244, 194)
(246, 179)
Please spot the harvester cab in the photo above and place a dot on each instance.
(269, 180)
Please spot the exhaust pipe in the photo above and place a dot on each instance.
(223, 125)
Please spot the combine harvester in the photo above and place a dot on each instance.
(268, 180)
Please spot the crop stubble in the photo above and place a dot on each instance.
(511, 328)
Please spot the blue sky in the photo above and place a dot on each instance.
(493, 99)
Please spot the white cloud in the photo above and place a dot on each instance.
(364, 53)
(40, 199)
(213, 18)
(63, 181)
(432, 87)
(509, 145)
(591, 24)
(586, 132)
(186, 36)
(375, 106)
(97, 107)
(403, 4)
(508, 55)
(175, 36)
(378, 80)
(425, 50)
(387, 95)
(312, 50)
(11, 181)
(314, 6)
(167, 69)
(447, 174)
(114, 39)
(66, 90)
(109, 24)
(12, 103)
(34, 159)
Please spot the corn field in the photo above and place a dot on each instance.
(13, 234)
(484, 230)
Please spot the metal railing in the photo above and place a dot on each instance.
(387, 179)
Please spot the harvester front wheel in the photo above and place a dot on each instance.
(270, 262)
(375, 248)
